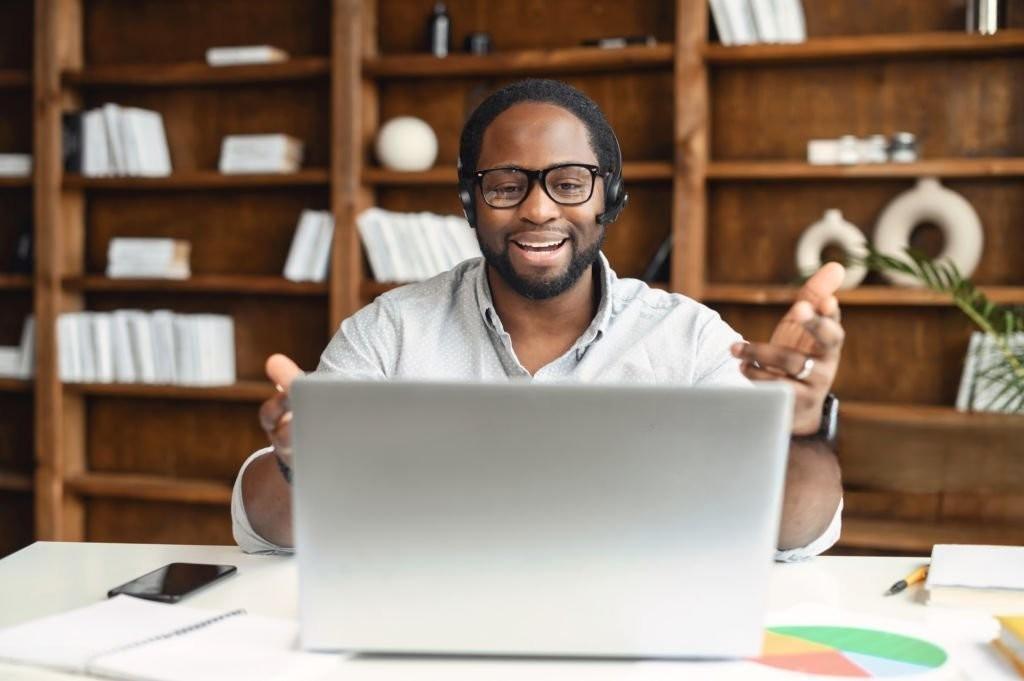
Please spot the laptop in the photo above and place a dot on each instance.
(526, 519)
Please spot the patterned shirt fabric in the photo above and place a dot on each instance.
(446, 328)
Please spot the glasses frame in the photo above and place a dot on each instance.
(540, 176)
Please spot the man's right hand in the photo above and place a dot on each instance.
(276, 413)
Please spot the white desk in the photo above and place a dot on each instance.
(48, 578)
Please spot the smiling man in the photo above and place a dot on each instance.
(540, 179)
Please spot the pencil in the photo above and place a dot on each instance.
(914, 577)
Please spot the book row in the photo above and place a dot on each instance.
(403, 247)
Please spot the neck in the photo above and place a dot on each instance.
(567, 314)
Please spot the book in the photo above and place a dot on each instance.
(118, 141)
(277, 153)
(721, 19)
(310, 252)
(156, 258)
(789, 17)
(763, 14)
(404, 247)
(15, 165)
(244, 54)
(977, 576)
(1011, 641)
(981, 389)
(740, 21)
(131, 638)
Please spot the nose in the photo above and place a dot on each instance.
(538, 207)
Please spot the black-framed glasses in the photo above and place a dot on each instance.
(567, 184)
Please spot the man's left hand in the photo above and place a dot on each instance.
(804, 349)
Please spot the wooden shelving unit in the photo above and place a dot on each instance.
(208, 179)
(209, 283)
(634, 171)
(197, 73)
(870, 295)
(782, 171)
(150, 488)
(242, 391)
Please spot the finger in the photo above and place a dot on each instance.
(282, 371)
(755, 373)
(273, 410)
(822, 285)
(828, 335)
(790, 330)
(770, 356)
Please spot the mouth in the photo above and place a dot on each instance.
(548, 246)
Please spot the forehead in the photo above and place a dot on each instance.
(535, 135)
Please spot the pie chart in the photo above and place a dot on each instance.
(845, 652)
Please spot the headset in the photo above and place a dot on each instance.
(615, 196)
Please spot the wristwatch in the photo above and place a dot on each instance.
(828, 430)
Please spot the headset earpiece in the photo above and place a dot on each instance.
(466, 196)
(615, 196)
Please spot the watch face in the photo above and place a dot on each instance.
(830, 420)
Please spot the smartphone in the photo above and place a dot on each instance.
(173, 582)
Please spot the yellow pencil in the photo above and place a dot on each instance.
(914, 577)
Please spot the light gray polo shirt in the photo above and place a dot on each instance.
(446, 328)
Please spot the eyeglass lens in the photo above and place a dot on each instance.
(507, 187)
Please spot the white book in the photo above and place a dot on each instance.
(103, 346)
(439, 225)
(65, 359)
(303, 243)
(115, 142)
(15, 165)
(153, 150)
(763, 12)
(226, 343)
(274, 153)
(124, 353)
(389, 230)
(964, 393)
(95, 152)
(721, 19)
(432, 240)
(244, 54)
(469, 247)
(789, 16)
(183, 350)
(741, 22)
(10, 361)
(418, 246)
(27, 348)
(141, 335)
(130, 142)
(163, 346)
(373, 243)
(321, 260)
(87, 349)
(411, 249)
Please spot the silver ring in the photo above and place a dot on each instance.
(806, 371)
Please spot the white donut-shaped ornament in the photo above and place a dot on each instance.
(833, 230)
(930, 202)
(406, 143)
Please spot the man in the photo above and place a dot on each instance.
(539, 169)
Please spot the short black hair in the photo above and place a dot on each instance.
(599, 132)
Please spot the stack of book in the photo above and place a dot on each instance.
(1011, 641)
(15, 165)
(403, 247)
(310, 252)
(134, 346)
(244, 54)
(744, 22)
(148, 258)
(116, 141)
(18, 361)
(983, 384)
(977, 576)
(240, 154)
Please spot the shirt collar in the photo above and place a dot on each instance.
(598, 327)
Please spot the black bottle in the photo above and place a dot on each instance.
(439, 31)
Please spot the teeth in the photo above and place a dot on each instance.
(545, 244)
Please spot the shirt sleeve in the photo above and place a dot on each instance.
(363, 348)
(715, 364)
(827, 539)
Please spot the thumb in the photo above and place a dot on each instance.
(281, 370)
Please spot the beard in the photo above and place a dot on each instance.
(543, 288)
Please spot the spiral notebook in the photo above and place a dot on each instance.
(138, 640)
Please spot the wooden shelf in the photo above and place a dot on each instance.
(15, 282)
(207, 283)
(15, 385)
(15, 182)
(369, 289)
(15, 78)
(755, 294)
(15, 482)
(203, 179)
(897, 535)
(632, 171)
(561, 60)
(798, 170)
(243, 391)
(197, 73)
(149, 488)
(928, 416)
(912, 45)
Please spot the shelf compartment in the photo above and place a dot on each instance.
(753, 294)
(149, 488)
(632, 171)
(11, 481)
(927, 416)
(204, 179)
(15, 385)
(798, 170)
(242, 391)
(207, 283)
(196, 73)
(561, 60)
(911, 45)
(15, 78)
(919, 537)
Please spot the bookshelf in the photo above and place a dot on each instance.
(712, 155)
(16, 289)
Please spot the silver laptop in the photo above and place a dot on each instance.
(536, 520)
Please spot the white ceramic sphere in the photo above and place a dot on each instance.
(406, 143)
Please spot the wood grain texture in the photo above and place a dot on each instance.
(16, 520)
(153, 522)
(197, 73)
(866, 17)
(146, 32)
(16, 34)
(525, 24)
(956, 107)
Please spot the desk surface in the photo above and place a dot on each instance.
(49, 577)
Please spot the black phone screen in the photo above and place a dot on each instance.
(173, 581)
